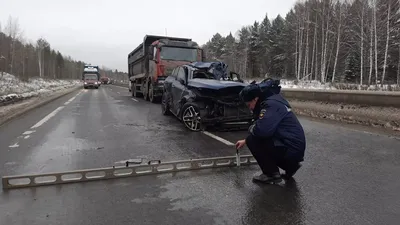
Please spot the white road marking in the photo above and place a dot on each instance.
(14, 145)
(46, 118)
(218, 138)
(27, 136)
(135, 100)
(70, 100)
(28, 132)
(118, 93)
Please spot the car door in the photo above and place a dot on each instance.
(177, 89)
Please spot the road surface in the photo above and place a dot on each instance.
(349, 176)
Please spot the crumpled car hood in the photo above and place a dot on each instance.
(214, 84)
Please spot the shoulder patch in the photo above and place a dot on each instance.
(262, 112)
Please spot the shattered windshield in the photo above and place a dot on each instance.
(178, 54)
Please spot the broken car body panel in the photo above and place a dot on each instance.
(212, 102)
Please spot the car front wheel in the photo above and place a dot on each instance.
(190, 116)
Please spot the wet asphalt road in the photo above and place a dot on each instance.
(349, 176)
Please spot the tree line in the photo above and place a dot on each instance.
(27, 60)
(346, 41)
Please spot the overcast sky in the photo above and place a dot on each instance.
(103, 32)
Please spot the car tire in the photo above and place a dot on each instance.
(189, 110)
(164, 105)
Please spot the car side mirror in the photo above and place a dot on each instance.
(237, 76)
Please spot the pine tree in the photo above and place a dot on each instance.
(254, 54)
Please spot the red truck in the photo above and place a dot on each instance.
(105, 80)
(154, 59)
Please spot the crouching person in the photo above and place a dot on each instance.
(276, 139)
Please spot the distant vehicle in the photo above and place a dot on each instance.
(90, 80)
(105, 80)
(154, 59)
(202, 95)
(91, 76)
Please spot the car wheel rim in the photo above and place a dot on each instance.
(191, 118)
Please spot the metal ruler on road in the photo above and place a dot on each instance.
(151, 168)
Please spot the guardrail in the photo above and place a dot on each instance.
(371, 98)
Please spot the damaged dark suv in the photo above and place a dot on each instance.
(202, 95)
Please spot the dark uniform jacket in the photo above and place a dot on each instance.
(277, 121)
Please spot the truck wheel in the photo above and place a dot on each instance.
(146, 92)
(133, 90)
(151, 94)
(135, 93)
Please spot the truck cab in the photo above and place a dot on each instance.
(90, 80)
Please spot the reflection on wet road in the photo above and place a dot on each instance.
(344, 180)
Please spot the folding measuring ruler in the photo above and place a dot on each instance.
(151, 168)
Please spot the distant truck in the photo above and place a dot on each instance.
(91, 76)
(105, 80)
(154, 59)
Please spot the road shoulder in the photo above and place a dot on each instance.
(10, 112)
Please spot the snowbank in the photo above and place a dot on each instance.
(13, 89)
(301, 84)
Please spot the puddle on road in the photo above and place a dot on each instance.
(232, 196)
(9, 164)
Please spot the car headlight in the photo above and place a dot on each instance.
(85, 83)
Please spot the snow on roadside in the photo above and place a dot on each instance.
(301, 84)
(314, 84)
(12, 88)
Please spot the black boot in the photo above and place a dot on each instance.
(268, 179)
(290, 172)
